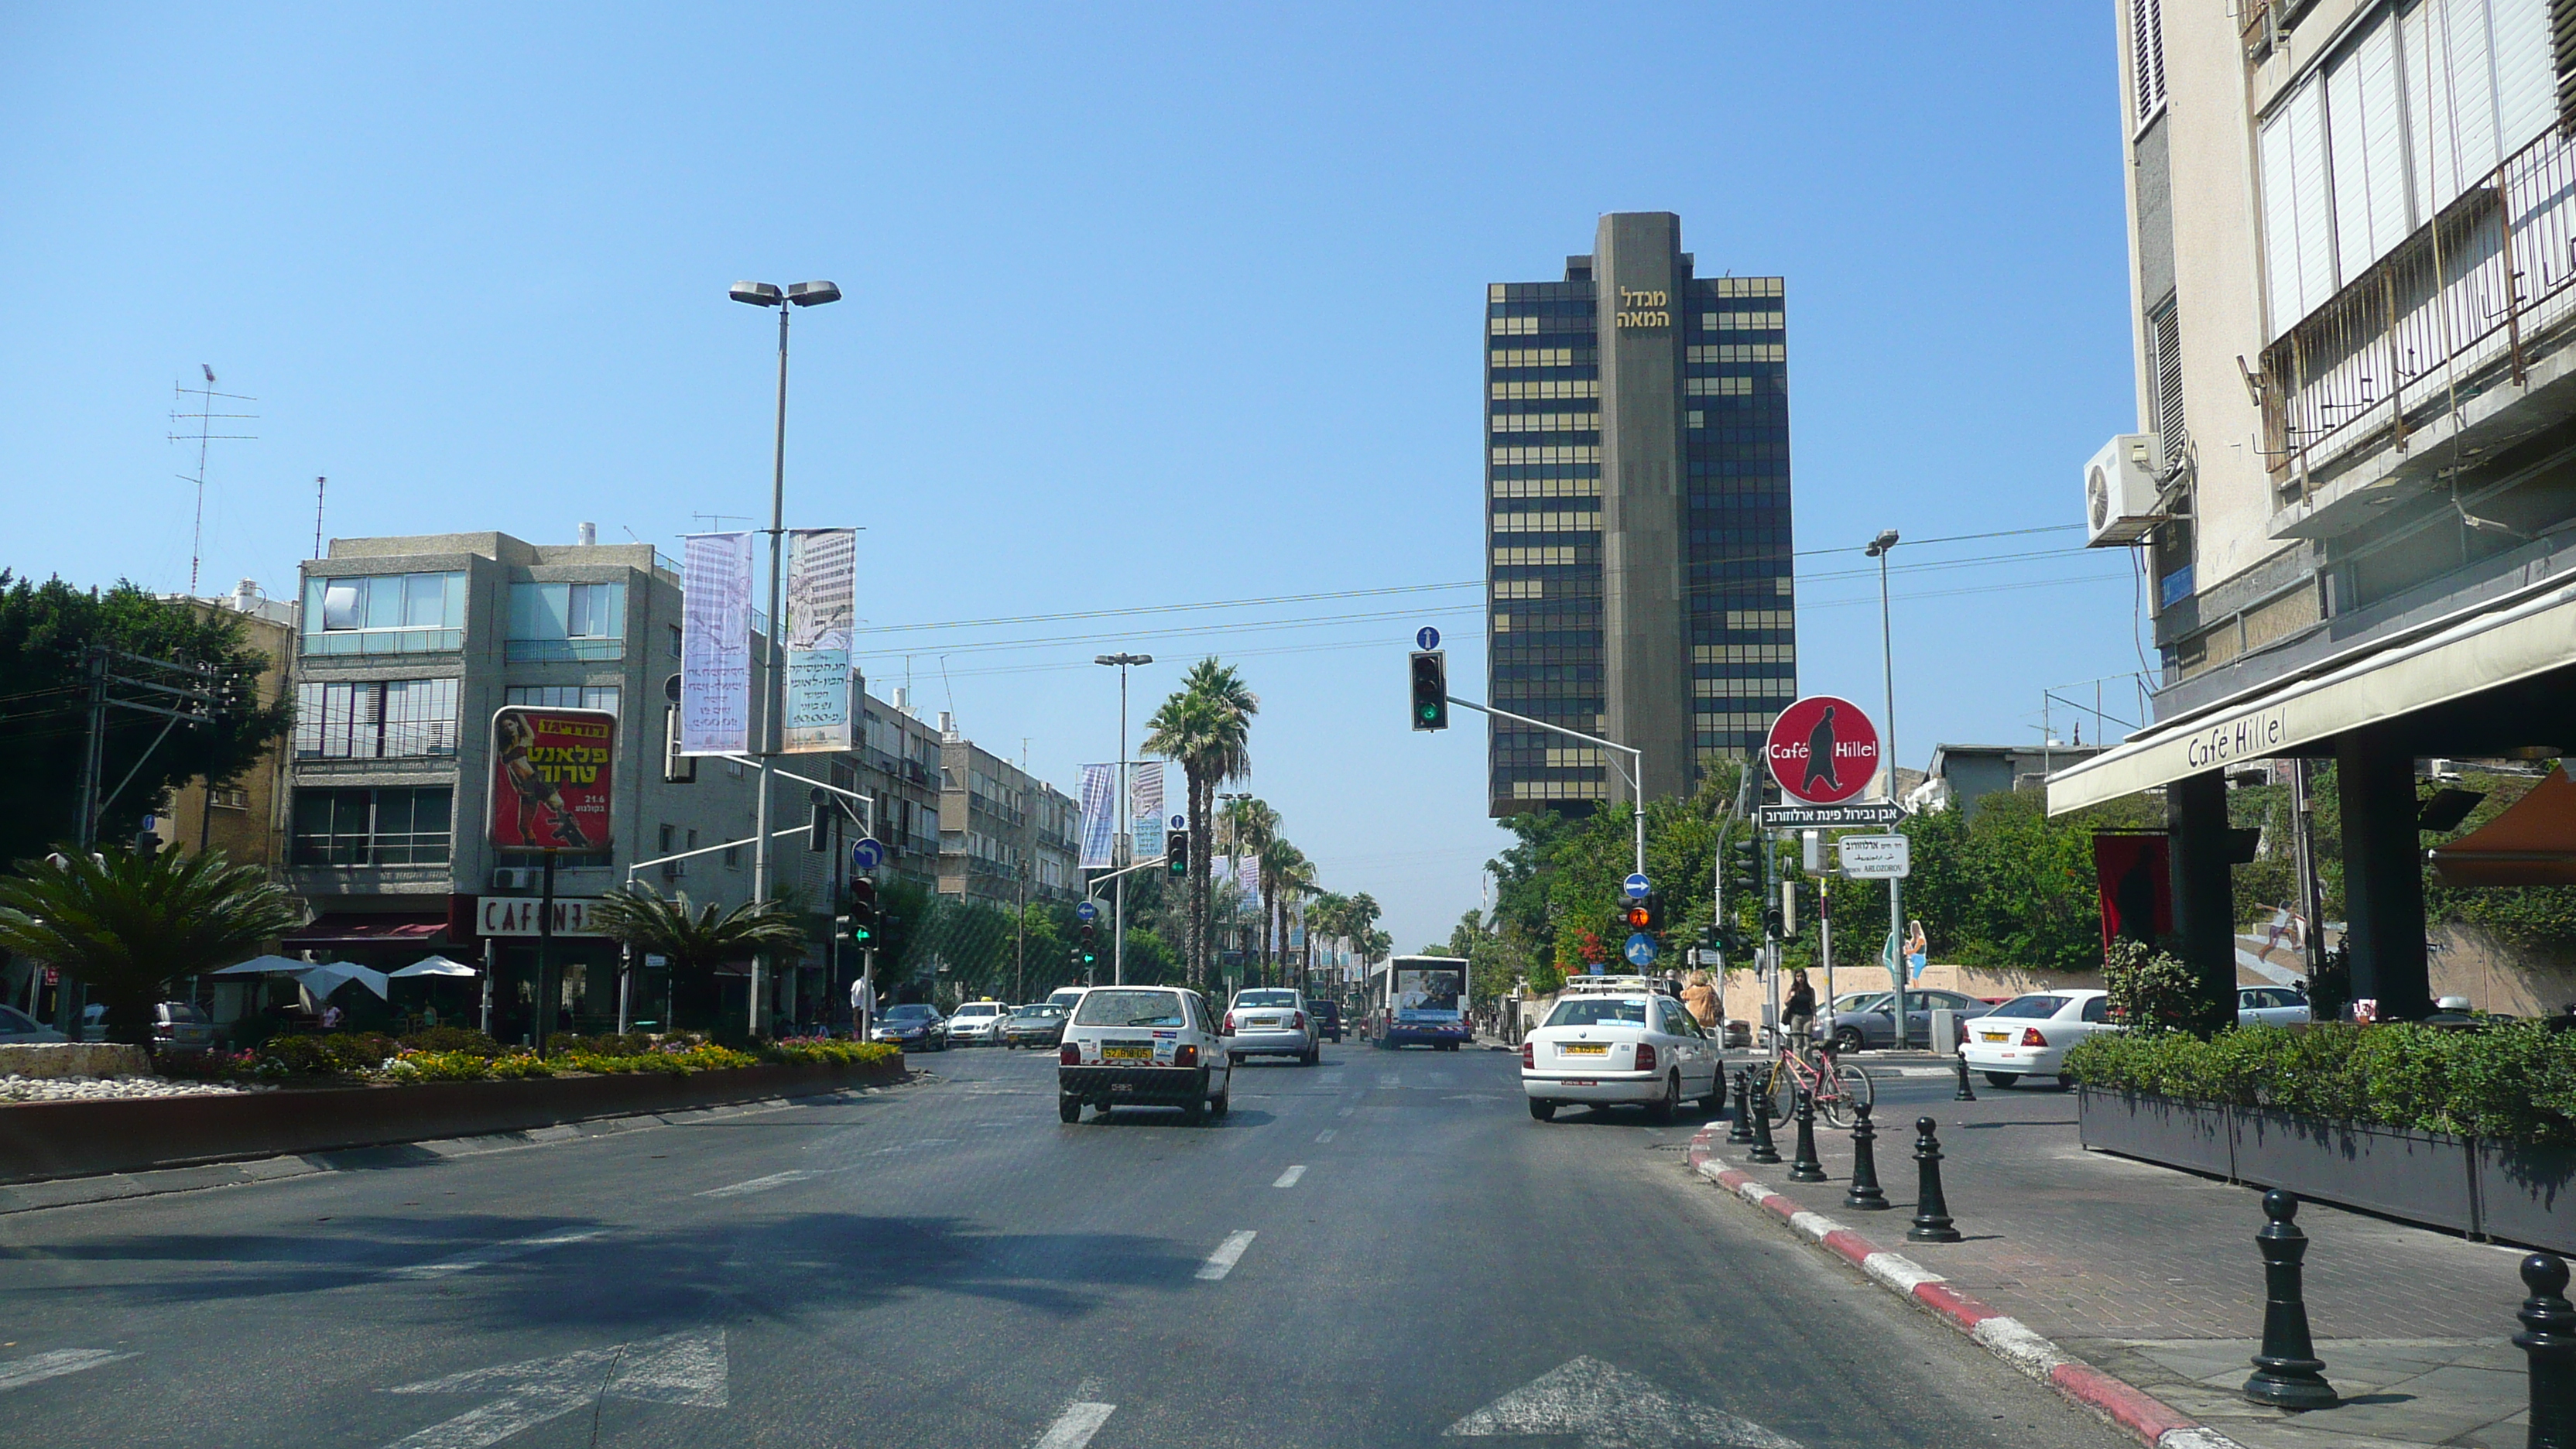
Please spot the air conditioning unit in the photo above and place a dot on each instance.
(511, 878)
(674, 869)
(2120, 502)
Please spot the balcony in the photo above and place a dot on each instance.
(2457, 332)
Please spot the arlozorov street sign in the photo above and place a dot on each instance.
(1640, 950)
(1871, 812)
(1637, 886)
(1822, 750)
(1875, 857)
(1086, 912)
(867, 853)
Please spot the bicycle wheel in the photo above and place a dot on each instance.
(1849, 1085)
(1780, 1092)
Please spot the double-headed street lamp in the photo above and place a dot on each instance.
(1118, 849)
(774, 687)
(1879, 548)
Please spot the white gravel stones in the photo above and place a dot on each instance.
(100, 1089)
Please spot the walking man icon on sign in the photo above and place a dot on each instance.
(1820, 755)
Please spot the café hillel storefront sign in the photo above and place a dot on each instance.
(521, 916)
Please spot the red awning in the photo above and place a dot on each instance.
(2532, 843)
(337, 929)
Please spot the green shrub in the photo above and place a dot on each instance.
(454, 1039)
(2512, 1082)
(434, 1066)
(634, 1043)
(333, 1053)
(2150, 989)
(801, 1050)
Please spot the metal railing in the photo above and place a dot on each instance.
(2468, 299)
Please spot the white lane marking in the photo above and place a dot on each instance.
(1390, 1079)
(1333, 1078)
(1603, 1405)
(1227, 1254)
(1346, 1111)
(914, 1146)
(1074, 1427)
(1326, 1135)
(1289, 1178)
(757, 1184)
(678, 1368)
(495, 1253)
(17, 1373)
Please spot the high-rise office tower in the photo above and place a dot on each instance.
(1637, 501)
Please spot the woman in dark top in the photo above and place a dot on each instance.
(1798, 1014)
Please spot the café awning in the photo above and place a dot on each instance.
(2526, 637)
(2532, 843)
(437, 966)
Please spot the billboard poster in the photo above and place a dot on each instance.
(552, 774)
(1428, 989)
(1099, 817)
(1145, 807)
(822, 605)
(715, 644)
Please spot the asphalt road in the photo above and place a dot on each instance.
(1366, 1254)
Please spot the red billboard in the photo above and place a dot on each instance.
(1822, 750)
(551, 777)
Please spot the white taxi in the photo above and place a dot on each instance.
(1141, 1046)
(2030, 1035)
(977, 1022)
(1615, 1039)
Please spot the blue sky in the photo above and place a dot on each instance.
(1146, 305)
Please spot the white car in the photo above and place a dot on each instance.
(2270, 1006)
(1613, 1039)
(2029, 1036)
(1142, 1046)
(977, 1023)
(1272, 1022)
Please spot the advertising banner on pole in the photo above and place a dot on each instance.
(715, 644)
(822, 605)
(552, 772)
(1099, 816)
(1145, 807)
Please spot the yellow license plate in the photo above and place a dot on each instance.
(1114, 1052)
(1584, 1049)
(1994, 1036)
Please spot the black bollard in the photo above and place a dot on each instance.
(1965, 1093)
(2548, 1340)
(1764, 1150)
(1741, 1129)
(1931, 1209)
(1807, 1167)
(2287, 1372)
(1865, 1193)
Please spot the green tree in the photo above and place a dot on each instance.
(1206, 725)
(45, 632)
(697, 940)
(125, 925)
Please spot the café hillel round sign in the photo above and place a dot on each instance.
(1822, 750)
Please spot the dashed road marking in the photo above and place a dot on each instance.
(1327, 1134)
(1227, 1254)
(17, 1373)
(1390, 1079)
(757, 1184)
(1074, 1427)
(495, 1253)
(1289, 1178)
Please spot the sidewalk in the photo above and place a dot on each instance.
(2151, 1274)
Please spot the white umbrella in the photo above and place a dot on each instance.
(265, 966)
(438, 966)
(330, 976)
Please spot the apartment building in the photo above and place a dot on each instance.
(2351, 485)
(246, 819)
(1005, 835)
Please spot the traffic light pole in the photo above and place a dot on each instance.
(1636, 759)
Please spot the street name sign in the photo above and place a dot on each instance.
(1823, 750)
(1871, 812)
(1875, 857)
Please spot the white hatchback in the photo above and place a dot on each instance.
(1616, 1039)
(2029, 1036)
(1141, 1046)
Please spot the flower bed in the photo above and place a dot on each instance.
(451, 1055)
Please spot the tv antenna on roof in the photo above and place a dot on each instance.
(205, 418)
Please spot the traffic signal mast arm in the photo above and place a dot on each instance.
(1636, 759)
(1122, 870)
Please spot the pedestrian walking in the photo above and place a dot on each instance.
(1798, 1014)
(1699, 997)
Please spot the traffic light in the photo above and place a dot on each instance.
(1176, 853)
(1772, 925)
(1086, 955)
(1638, 916)
(863, 918)
(1430, 689)
(818, 831)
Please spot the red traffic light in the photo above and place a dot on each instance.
(1639, 918)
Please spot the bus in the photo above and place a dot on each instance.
(1421, 1001)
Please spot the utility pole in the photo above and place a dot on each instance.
(1118, 851)
(1879, 549)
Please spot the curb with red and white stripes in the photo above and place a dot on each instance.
(2154, 1422)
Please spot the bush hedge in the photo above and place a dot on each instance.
(452, 1054)
(2513, 1082)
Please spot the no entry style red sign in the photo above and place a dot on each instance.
(1822, 750)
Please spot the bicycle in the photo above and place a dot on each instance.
(1835, 1084)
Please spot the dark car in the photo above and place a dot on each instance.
(1868, 1020)
(1328, 1019)
(914, 1026)
(1035, 1026)
(176, 1025)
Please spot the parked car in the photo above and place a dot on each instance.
(1867, 1020)
(1040, 1024)
(914, 1026)
(2029, 1035)
(176, 1025)
(1271, 1022)
(977, 1023)
(1617, 1040)
(1328, 1019)
(2270, 1006)
(18, 1026)
(1142, 1046)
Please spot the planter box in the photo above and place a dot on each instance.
(2524, 1195)
(2157, 1129)
(44, 1140)
(2419, 1176)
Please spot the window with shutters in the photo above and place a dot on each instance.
(2147, 56)
(2164, 379)
(2562, 49)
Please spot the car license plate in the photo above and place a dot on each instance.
(1265, 1021)
(1584, 1049)
(1126, 1052)
(1993, 1036)
(1581, 1082)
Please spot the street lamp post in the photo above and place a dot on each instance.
(1118, 851)
(1234, 842)
(1879, 548)
(773, 692)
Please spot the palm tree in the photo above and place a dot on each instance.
(1206, 725)
(697, 939)
(1291, 877)
(126, 925)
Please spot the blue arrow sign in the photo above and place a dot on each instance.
(1640, 950)
(1637, 886)
(866, 853)
(1180, 822)
(1086, 912)
(1429, 638)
